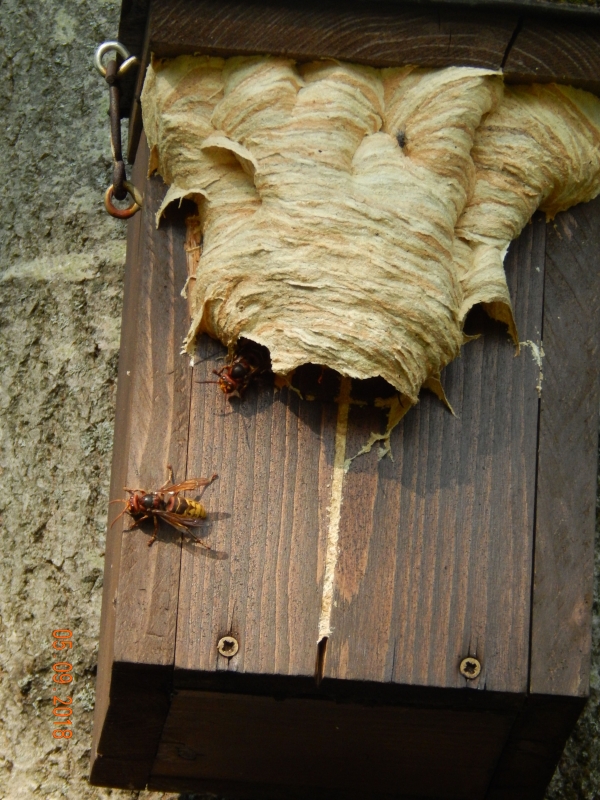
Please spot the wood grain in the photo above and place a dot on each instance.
(132, 27)
(563, 47)
(566, 497)
(561, 51)
(436, 545)
(273, 452)
(112, 560)
(532, 752)
(122, 415)
(380, 34)
(140, 601)
(436, 551)
(157, 436)
(300, 746)
(134, 108)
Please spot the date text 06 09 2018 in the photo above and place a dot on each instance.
(62, 709)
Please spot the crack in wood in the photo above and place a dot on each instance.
(512, 41)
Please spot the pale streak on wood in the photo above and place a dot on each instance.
(193, 251)
(335, 507)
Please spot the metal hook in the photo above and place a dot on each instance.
(112, 73)
(107, 47)
(123, 213)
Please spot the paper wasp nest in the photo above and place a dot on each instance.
(351, 217)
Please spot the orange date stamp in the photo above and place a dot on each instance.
(63, 673)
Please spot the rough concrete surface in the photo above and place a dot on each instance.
(61, 268)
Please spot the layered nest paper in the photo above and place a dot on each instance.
(350, 216)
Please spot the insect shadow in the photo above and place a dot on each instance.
(215, 555)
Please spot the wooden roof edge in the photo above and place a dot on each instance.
(561, 8)
(134, 13)
(579, 67)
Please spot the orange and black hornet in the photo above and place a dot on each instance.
(165, 503)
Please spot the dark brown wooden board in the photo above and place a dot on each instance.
(134, 13)
(526, 46)
(274, 454)
(436, 546)
(534, 747)
(557, 51)
(343, 749)
(564, 540)
(151, 431)
(240, 745)
(165, 607)
(133, 24)
(112, 558)
(380, 34)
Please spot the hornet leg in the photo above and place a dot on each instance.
(170, 480)
(155, 534)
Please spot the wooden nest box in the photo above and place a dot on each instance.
(458, 657)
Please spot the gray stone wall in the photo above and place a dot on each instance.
(61, 267)
(61, 271)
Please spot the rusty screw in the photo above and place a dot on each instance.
(470, 668)
(228, 646)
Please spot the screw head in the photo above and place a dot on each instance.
(228, 646)
(470, 668)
